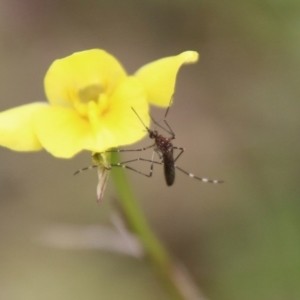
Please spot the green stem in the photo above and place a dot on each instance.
(155, 252)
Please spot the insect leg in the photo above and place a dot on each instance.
(169, 130)
(181, 151)
(123, 165)
(206, 180)
(165, 118)
(129, 150)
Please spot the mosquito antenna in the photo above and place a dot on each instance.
(141, 119)
(169, 130)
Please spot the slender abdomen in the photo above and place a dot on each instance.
(169, 168)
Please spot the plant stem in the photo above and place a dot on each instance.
(155, 252)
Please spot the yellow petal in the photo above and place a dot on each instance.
(120, 125)
(17, 127)
(67, 76)
(62, 132)
(159, 77)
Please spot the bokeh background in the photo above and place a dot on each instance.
(237, 113)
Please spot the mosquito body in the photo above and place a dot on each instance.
(164, 148)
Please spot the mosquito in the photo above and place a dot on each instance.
(164, 148)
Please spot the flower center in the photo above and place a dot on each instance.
(90, 93)
(91, 102)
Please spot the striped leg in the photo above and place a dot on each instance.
(181, 151)
(123, 165)
(129, 150)
(206, 180)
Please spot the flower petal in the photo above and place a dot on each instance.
(159, 76)
(69, 75)
(120, 125)
(17, 127)
(62, 132)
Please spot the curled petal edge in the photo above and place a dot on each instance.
(159, 77)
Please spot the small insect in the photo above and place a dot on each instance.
(100, 161)
(164, 148)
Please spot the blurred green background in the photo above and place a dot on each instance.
(237, 113)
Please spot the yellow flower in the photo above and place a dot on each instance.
(90, 99)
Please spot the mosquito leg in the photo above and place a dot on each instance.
(169, 130)
(158, 154)
(132, 169)
(165, 118)
(206, 180)
(136, 159)
(123, 165)
(181, 151)
(167, 111)
(118, 150)
(157, 124)
(152, 163)
(129, 150)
